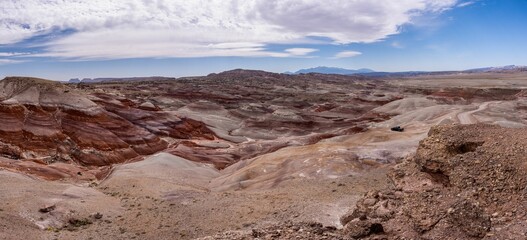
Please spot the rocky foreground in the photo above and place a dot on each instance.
(464, 182)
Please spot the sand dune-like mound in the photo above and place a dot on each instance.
(328, 159)
(161, 173)
(11, 86)
(405, 105)
(44, 93)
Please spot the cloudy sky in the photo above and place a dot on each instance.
(62, 39)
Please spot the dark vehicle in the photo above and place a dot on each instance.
(398, 129)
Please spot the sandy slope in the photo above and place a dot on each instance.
(21, 198)
(161, 173)
(157, 198)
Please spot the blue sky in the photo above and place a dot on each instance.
(69, 39)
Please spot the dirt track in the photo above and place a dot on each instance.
(468, 118)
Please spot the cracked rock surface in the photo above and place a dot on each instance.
(464, 182)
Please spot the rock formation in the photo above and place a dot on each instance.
(49, 122)
(464, 182)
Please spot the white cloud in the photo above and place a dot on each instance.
(347, 54)
(105, 29)
(12, 54)
(300, 51)
(397, 44)
(464, 4)
(9, 61)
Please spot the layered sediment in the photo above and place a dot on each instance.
(47, 122)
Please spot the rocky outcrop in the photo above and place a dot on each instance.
(288, 230)
(464, 182)
(51, 122)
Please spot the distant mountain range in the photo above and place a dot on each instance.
(372, 73)
(507, 68)
(332, 70)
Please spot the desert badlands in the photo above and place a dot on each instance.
(255, 155)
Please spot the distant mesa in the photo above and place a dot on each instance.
(74, 80)
(332, 70)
